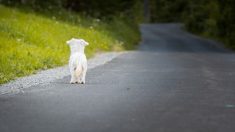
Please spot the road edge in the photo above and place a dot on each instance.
(50, 75)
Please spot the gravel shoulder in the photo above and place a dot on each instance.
(50, 75)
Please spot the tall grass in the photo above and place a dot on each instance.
(31, 41)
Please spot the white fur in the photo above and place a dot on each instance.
(77, 60)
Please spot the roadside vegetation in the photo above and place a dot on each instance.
(213, 18)
(33, 33)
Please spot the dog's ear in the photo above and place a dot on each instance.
(84, 42)
(68, 42)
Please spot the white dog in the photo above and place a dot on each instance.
(77, 61)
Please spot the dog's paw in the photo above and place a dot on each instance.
(72, 82)
(78, 82)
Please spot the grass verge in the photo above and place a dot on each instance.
(31, 41)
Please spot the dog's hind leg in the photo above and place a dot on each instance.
(78, 73)
(83, 76)
(73, 76)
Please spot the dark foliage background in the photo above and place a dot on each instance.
(210, 18)
(97, 8)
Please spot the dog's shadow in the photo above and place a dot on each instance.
(66, 81)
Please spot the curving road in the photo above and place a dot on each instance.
(175, 82)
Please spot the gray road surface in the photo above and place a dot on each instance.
(175, 82)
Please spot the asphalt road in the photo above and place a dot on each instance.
(175, 82)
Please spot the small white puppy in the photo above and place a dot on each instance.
(77, 60)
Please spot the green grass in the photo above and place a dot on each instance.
(31, 41)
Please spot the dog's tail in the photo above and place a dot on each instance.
(78, 70)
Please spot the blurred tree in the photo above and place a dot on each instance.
(95, 8)
(146, 10)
